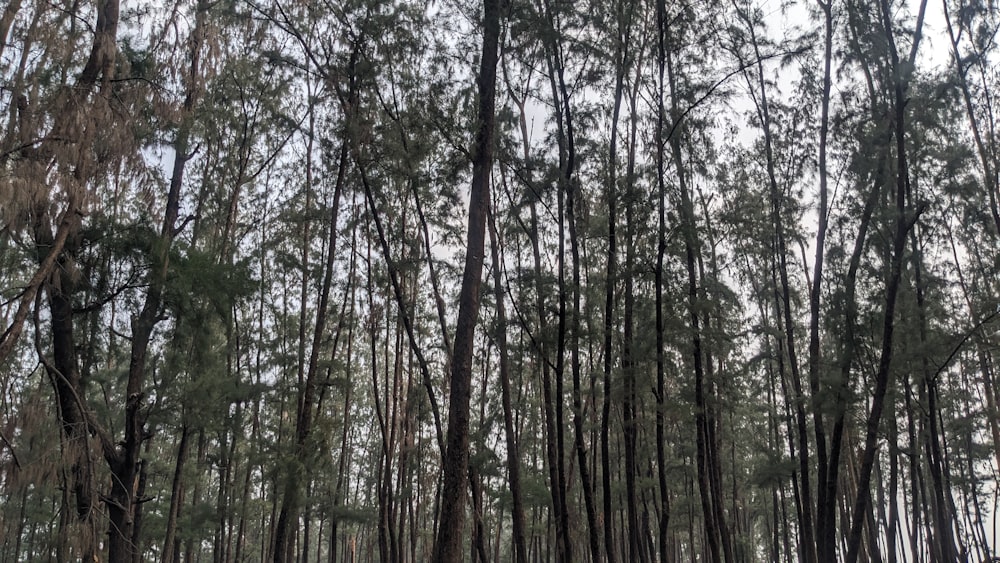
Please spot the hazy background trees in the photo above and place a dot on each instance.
(738, 298)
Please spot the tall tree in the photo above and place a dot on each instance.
(448, 543)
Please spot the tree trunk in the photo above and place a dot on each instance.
(661, 249)
(903, 225)
(307, 401)
(512, 451)
(448, 542)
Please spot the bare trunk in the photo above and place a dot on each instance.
(903, 225)
(448, 542)
(512, 451)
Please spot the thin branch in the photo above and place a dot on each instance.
(715, 86)
(13, 454)
(13, 332)
(28, 144)
(961, 343)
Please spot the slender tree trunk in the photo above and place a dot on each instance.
(448, 542)
(55, 252)
(342, 461)
(661, 249)
(621, 56)
(9, 13)
(826, 502)
(984, 147)
(893, 519)
(176, 496)
(306, 403)
(552, 444)
(512, 450)
(689, 229)
(575, 329)
(632, 404)
(781, 254)
(848, 346)
(609, 306)
(903, 224)
(941, 515)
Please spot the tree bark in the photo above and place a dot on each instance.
(307, 401)
(661, 249)
(512, 450)
(448, 542)
(903, 224)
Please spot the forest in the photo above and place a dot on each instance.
(513, 280)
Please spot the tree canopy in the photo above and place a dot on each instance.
(617, 280)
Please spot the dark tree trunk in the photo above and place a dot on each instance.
(513, 453)
(448, 542)
(176, 496)
(689, 231)
(661, 249)
(903, 223)
(291, 499)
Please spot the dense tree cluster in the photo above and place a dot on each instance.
(532, 280)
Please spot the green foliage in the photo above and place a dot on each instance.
(198, 277)
(264, 121)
